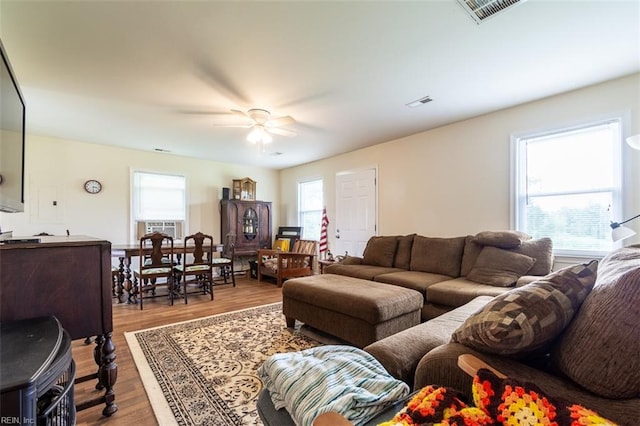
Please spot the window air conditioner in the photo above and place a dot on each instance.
(173, 229)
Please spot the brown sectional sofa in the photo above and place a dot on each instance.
(450, 272)
(592, 358)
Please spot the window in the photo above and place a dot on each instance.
(310, 204)
(567, 185)
(159, 203)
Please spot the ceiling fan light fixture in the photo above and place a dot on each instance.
(259, 135)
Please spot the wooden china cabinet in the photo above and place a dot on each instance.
(250, 221)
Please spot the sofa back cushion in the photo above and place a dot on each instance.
(380, 251)
(500, 267)
(600, 350)
(437, 255)
(501, 239)
(526, 320)
(540, 249)
(403, 253)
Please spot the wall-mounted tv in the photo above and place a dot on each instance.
(12, 139)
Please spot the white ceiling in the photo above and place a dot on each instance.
(161, 74)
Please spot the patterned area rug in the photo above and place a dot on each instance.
(204, 371)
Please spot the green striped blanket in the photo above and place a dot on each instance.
(336, 378)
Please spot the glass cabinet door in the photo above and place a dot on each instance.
(250, 224)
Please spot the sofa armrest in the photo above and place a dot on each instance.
(352, 260)
(400, 353)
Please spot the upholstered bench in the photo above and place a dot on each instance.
(358, 311)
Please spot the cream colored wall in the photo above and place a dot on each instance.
(455, 180)
(57, 169)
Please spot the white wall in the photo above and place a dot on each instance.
(57, 169)
(449, 181)
(455, 180)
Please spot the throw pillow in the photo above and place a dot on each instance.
(499, 267)
(541, 250)
(527, 319)
(600, 349)
(437, 255)
(501, 239)
(380, 251)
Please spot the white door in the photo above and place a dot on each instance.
(355, 211)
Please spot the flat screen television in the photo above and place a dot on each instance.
(12, 139)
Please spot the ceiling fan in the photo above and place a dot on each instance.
(262, 125)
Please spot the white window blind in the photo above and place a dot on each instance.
(158, 197)
(567, 184)
(310, 204)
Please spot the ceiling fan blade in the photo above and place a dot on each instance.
(241, 114)
(281, 132)
(242, 126)
(280, 121)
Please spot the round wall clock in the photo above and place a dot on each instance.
(92, 186)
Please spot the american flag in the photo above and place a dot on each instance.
(324, 243)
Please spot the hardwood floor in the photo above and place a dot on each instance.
(131, 398)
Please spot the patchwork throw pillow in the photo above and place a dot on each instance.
(380, 251)
(526, 320)
(499, 267)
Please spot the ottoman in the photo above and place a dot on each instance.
(358, 311)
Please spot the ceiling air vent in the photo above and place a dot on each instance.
(481, 10)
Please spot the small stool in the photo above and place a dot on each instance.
(357, 311)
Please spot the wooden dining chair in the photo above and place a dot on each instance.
(197, 269)
(156, 265)
(225, 262)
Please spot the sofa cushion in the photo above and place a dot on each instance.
(459, 291)
(437, 255)
(500, 267)
(501, 239)
(527, 319)
(414, 280)
(541, 250)
(469, 255)
(380, 251)
(600, 349)
(403, 253)
(364, 272)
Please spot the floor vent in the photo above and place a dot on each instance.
(481, 10)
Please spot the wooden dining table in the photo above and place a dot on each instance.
(125, 252)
